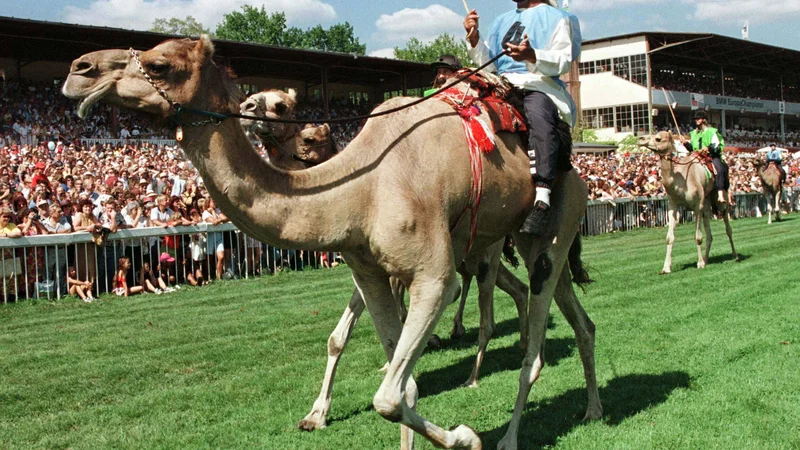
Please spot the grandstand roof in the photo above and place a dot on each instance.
(722, 51)
(28, 40)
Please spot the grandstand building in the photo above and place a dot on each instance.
(751, 91)
(41, 52)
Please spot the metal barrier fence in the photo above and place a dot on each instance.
(37, 266)
(88, 142)
(643, 212)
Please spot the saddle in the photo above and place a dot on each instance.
(706, 160)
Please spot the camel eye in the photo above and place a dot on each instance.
(280, 109)
(157, 68)
(308, 140)
(658, 139)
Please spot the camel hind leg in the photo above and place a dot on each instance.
(729, 231)
(778, 204)
(316, 418)
(584, 329)
(511, 285)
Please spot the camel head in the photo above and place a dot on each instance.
(757, 163)
(314, 144)
(182, 68)
(273, 103)
(660, 143)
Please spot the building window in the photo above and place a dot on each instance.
(622, 67)
(587, 68)
(639, 69)
(624, 119)
(641, 119)
(604, 65)
(606, 117)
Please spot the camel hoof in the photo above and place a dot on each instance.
(308, 424)
(466, 438)
(701, 265)
(593, 414)
(384, 369)
(507, 443)
(457, 332)
(435, 342)
(470, 384)
(664, 272)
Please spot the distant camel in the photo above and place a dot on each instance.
(688, 184)
(771, 184)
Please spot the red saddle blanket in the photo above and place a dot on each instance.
(486, 96)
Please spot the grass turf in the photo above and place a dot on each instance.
(696, 359)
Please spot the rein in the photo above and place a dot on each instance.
(216, 118)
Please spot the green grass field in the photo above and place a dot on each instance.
(696, 359)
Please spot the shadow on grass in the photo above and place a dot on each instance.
(716, 259)
(623, 397)
(470, 338)
(496, 360)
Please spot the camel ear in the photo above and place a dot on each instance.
(326, 128)
(204, 47)
(293, 95)
(308, 125)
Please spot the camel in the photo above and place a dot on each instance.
(393, 203)
(688, 185)
(771, 184)
(490, 268)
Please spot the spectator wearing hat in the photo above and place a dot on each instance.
(706, 139)
(39, 176)
(66, 207)
(444, 68)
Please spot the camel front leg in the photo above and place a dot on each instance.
(778, 204)
(729, 231)
(770, 201)
(671, 219)
(703, 259)
(337, 341)
(429, 294)
(584, 330)
(458, 320)
(511, 285)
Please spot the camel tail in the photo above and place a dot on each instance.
(580, 275)
(508, 252)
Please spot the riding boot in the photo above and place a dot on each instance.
(539, 218)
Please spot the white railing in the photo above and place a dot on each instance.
(34, 267)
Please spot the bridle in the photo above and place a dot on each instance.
(216, 118)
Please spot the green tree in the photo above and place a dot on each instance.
(256, 25)
(415, 50)
(183, 27)
(253, 25)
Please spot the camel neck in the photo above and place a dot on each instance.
(667, 170)
(285, 209)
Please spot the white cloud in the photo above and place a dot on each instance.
(592, 5)
(139, 14)
(423, 24)
(382, 53)
(756, 11)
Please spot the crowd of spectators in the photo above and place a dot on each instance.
(50, 183)
(735, 86)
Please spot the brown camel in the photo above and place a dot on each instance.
(771, 184)
(393, 204)
(263, 104)
(689, 185)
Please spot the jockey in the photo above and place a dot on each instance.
(774, 156)
(707, 140)
(543, 42)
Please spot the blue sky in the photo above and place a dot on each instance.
(385, 24)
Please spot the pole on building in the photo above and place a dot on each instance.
(650, 89)
(325, 100)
